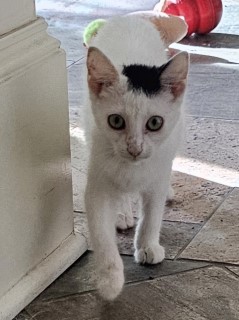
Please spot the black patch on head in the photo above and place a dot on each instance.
(143, 78)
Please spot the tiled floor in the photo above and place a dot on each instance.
(199, 280)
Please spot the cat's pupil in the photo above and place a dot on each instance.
(117, 120)
(154, 122)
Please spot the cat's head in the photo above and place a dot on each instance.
(136, 108)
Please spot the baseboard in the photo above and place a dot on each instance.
(39, 278)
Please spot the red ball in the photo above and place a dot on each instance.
(202, 16)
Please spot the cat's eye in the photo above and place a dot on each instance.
(154, 123)
(116, 122)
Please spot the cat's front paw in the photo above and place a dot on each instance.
(151, 254)
(111, 281)
(124, 221)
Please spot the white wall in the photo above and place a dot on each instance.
(35, 187)
(37, 241)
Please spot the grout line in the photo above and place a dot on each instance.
(78, 211)
(181, 221)
(63, 297)
(75, 62)
(129, 283)
(135, 282)
(218, 206)
(204, 223)
(213, 263)
(24, 312)
(232, 272)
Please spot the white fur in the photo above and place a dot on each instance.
(113, 175)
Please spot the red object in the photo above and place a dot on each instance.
(202, 16)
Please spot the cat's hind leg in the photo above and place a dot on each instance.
(101, 208)
(125, 217)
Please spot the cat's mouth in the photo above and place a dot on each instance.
(134, 159)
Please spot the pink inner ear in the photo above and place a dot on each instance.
(101, 72)
(95, 86)
(177, 89)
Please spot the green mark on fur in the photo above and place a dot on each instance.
(92, 29)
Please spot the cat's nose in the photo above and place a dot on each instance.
(135, 150)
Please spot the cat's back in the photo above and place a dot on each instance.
(129, 40)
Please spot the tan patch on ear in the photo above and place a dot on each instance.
(171, 28)
(101, 73)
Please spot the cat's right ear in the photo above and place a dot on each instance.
(101, 73)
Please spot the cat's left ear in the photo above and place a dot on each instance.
(174, 74)
(101, 73)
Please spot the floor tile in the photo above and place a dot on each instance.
(75, 86)
(209, 95)
(24, 315)
(79, 163)
(193, 295)
(218, 240)
(195, 198)
(79, 183)
(234, 269)
(135, 272)
(230, 12)
(211, 51)
(81, 277)
(212, 141)
(200, 291)
(210, 150)
(81, 225)
(174, 237)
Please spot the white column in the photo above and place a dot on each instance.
(15, 13)
(37, 241)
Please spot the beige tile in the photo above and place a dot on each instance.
(195, 198)
(219, 238)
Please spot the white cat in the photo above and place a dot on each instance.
(136, 95)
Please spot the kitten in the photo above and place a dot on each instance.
(136, 98)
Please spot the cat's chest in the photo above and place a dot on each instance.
(132, 178)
